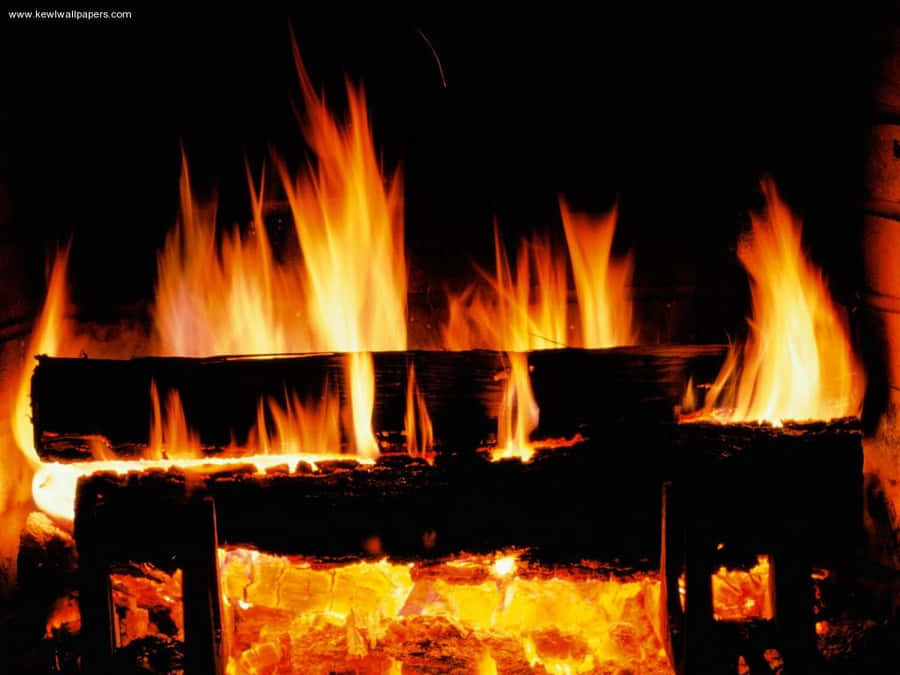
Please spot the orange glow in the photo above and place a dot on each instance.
(46, 338)
(519, 412)
(419, 432)
(508, 314)
(601, 282)
(53, 486)
(311, 427)
(797, 362)
(372, 616)
(170, 436)
(344, 291)
(739, 595)
(17, 450)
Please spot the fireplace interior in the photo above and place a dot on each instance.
(379, 346)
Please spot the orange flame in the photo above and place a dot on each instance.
(170, 436)
(311, 427)
(46, 338)
(519, 412)
(601, 282)
(347, 292)
(797, 362)
(508, 317)
(17, 450)
(419, 432)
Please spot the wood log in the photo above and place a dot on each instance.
(567, 503)
(76, 400)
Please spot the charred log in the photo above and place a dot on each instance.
(77, 400)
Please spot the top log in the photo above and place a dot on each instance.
(74, 400)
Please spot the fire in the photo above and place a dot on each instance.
(525, 308)
(419, 432)
(486, 614)
(310, 427)
(503, 315)
(519, 412)
(797, 362)
(19, 456)
(601, 282)
(739, 595)
(46, 338)
(344, 291)
(169, 434)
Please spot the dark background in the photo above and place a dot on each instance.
(676, 115)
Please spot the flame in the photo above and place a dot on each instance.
(46, 338)
(419, 432)
(797, 362)
(17, 450)
(519, 412)
(344, 291)
(505, 316)
(169, 433)
(311, 427)
(601, 282)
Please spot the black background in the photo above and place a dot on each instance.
(677, 115)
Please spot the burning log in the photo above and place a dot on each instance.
(793, 493)
(77, 401)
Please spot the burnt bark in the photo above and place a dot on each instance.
(76, 400)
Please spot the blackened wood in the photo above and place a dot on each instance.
(794, 599)
(569, 501)
(589, 390)
(99, 628)
(204, 651)
(762, 483)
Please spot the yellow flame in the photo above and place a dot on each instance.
(602, 283)
(519, 412)
(344, 291)
(797, 362)
(510, 314)
(46, 338)
(311, 427)
(170, 436)
(419, 432)
(18, 456)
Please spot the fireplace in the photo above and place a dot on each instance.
(301, 436)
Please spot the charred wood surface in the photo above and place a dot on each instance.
(77, 400)
(597, 500)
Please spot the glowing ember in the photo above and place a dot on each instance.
(797, 362)
(54, 483)
(743, 594)
(480, 614)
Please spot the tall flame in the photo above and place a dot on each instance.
(601, 281)
(509, 314)
(419, 432)
(527, 309)
(519, 412)
(170, 436)
(18, 455)
(345, 292)
(46, 338)
(797, 362)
